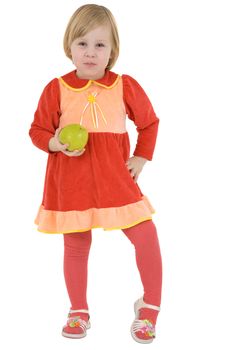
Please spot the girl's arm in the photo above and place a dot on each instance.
(46, 118)
(140, 111)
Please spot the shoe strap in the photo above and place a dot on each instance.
(81, 310)
(141, 304)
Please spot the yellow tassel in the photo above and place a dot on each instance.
(92, 113)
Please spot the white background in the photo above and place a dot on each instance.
(176, 51)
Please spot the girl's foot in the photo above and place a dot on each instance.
(77, 324)
(143, 328)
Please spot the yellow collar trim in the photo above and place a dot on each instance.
(90, 82)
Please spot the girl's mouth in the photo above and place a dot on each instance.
(90, 64)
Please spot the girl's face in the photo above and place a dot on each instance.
(91, 53)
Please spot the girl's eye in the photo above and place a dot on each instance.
(82, 43)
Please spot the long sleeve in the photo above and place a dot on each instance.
(140, 110)
(46, 118)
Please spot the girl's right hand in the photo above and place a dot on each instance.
(56, 146)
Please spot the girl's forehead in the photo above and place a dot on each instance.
(101, 33)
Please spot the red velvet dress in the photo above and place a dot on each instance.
(94, 190)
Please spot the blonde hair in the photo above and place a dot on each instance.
(86, 18)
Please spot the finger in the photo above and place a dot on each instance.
(64, 147)
(136, 178)
(67, 153)
(74, 153)
(132, 174)
(82, 151)
(79, 152)
(129, 166)
(61, 147)
(57, 132)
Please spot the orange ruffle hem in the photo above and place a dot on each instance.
(50, 221)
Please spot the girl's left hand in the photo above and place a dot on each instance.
(135, 165)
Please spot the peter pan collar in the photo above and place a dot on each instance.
(71, 80)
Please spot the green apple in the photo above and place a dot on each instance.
(75, 135)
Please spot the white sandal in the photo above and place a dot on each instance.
(76, 321)
(145, 326)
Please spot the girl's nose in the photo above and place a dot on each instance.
(90, 52)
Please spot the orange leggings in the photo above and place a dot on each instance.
(148, 258)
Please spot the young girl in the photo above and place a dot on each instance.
(96, 187)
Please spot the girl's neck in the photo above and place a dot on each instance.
(89, 78)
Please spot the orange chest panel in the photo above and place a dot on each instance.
(98, 108)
